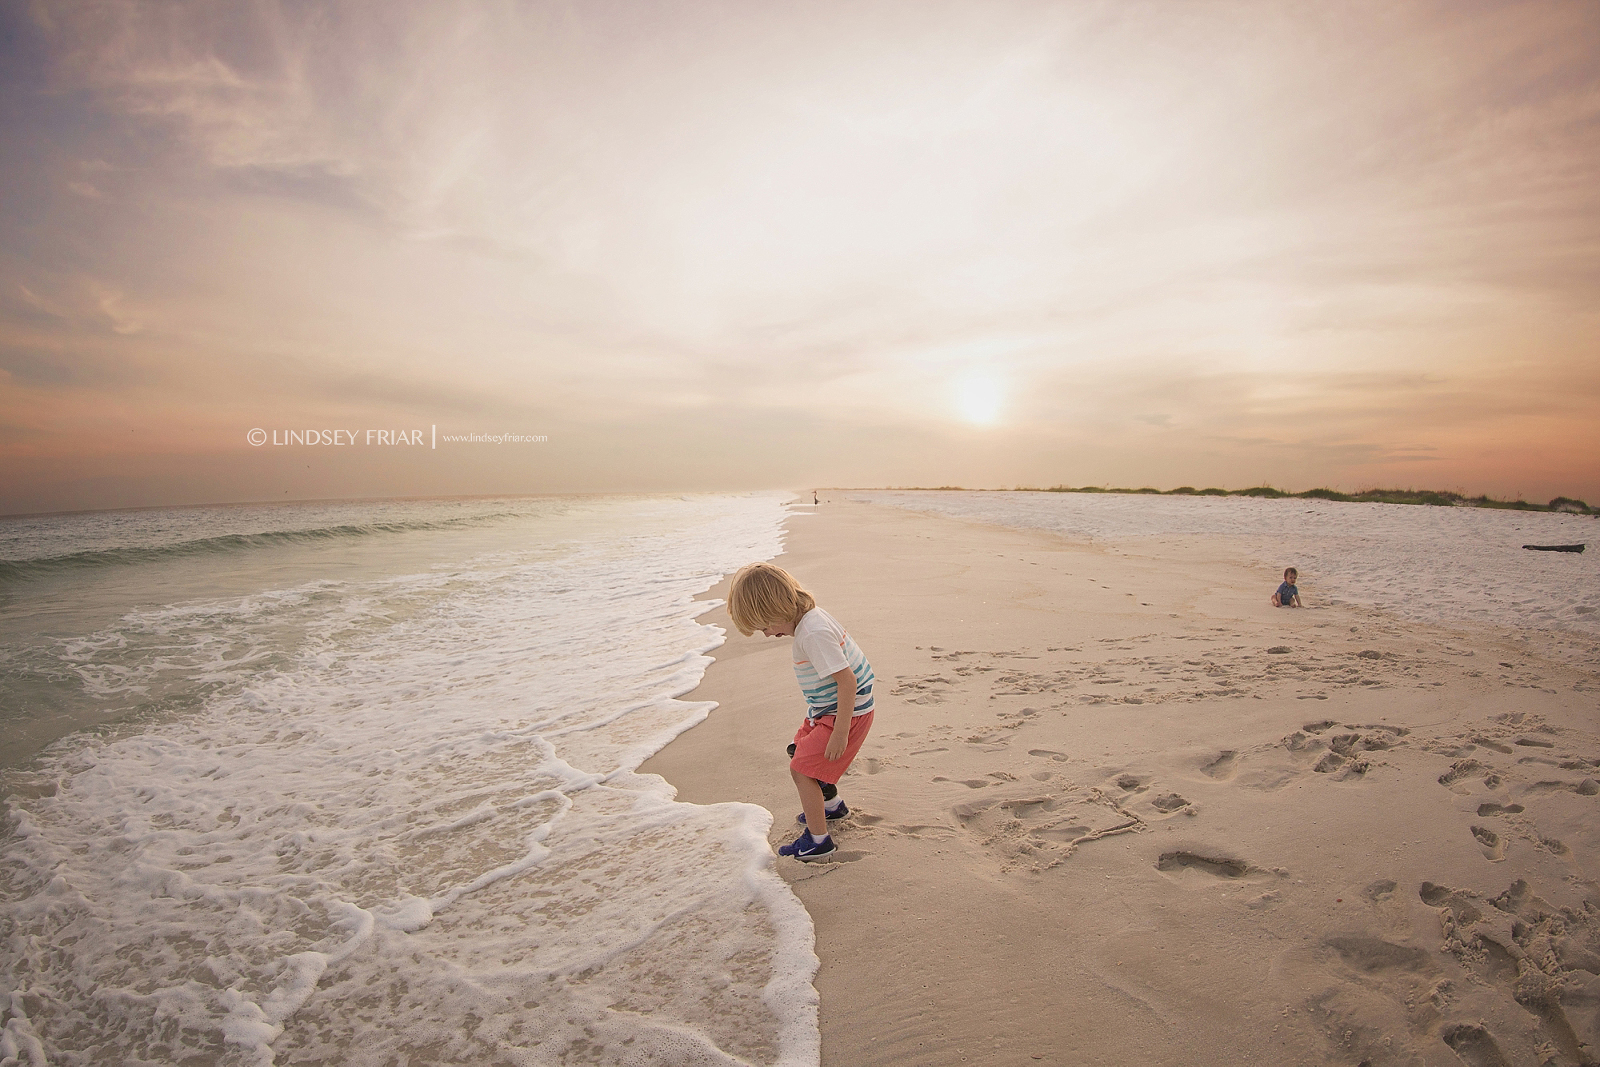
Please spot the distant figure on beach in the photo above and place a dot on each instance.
(1288, 594)
(832, 673)
(814, 499)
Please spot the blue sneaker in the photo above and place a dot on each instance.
(841, 812)
(806, 848)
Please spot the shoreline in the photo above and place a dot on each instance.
(1106, 819)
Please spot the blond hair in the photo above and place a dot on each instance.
(762, 595)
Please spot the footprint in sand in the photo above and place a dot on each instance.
(1373, 954)
(1224, 867)
(987, 741)
(1459, 913)
(1222, 767)
(1517, 947)
(1556, 785)
(1546, 949)
(1380, 890)
(1041, 831)
(1461, 902)
(1059, 757)
(1461, 770)
(1343, 756)
(970, 783)
(931, 690)
(1491, 809)
(1474, 1045)
(1341, 767)
(1492, 844)
(1553, 845)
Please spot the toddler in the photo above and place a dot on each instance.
(1288, 594)
(834, 677)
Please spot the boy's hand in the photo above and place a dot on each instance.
(838, 742)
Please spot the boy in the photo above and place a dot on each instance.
(833, 675)
(1288, 594)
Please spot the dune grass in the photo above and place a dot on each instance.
(1429, 497)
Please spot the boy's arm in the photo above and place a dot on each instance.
(846, 681)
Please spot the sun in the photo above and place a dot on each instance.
(978, 398)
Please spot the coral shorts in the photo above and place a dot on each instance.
(812, 739)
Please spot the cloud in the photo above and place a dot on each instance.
(1359, 233)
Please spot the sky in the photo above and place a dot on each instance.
(726, 246)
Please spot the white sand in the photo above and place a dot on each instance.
(1427, 564)
(1117, 809)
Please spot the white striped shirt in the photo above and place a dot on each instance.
(822, 648)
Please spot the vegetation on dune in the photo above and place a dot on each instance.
(1433, 497)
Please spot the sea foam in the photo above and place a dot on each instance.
(413, 833)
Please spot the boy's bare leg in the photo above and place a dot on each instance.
(811, 800)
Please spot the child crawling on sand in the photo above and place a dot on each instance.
(1288, 594)
(832, 673)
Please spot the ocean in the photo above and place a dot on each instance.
(355, 783)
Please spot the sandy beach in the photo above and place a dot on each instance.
(1118, 809)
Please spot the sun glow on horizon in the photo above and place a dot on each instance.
(979, 399)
